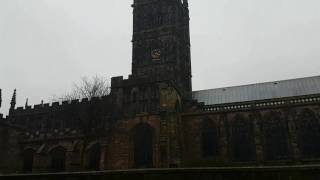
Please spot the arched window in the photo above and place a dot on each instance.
(134, 95)
(143, 146)
(28, 156)
(58, 159)
(275, 137)
(94, 155)
(242, 140)
(209, 140)
(309, 134)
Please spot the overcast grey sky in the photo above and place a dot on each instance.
(46, 45)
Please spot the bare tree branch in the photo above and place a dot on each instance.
(96, 86)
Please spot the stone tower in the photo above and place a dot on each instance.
(161, 42)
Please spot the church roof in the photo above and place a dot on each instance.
(260, 91)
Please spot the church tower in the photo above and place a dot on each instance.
(161, 42)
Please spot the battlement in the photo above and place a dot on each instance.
(120, 82)
(59, 105)
(137, 3)
(3, 118)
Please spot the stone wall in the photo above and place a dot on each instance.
(268, 136)
(246, 173)
(175, 135)
(71, 129)
(81, 115)
(10, 157)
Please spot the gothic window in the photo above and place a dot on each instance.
(56, 123)
(209, 140)
(309, 134)
(31, 123)
(94, 155)
(148, 21)
(28, 156)
(69, 123)
(275, 137)
(242, 140)
(43, 124)
(58, 159)
(161, 19)
(144, 93)
(23, 121)
(143, 149)
(134, 97)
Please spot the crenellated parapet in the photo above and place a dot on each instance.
(139, 94)
(57, 106)
(119, 81)
(81, 115)
(2, 118)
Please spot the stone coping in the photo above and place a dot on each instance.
(249, 169)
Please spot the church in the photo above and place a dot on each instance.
(153, 119)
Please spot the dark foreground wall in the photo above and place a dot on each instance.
(310, 172)
(10, 159)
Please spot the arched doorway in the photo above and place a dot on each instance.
(143, 148)
(94, 154)
(58, 159)
(28, 156)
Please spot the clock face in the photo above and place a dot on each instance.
(155, 54)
